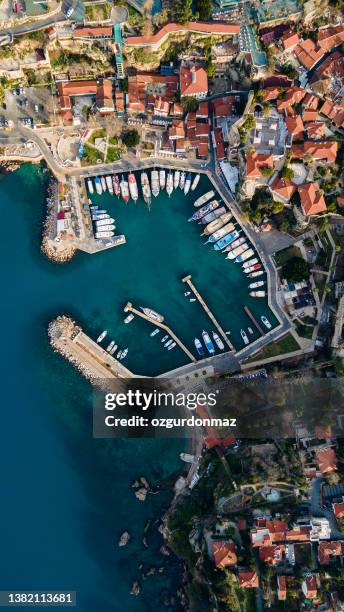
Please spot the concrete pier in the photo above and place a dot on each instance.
(130, 308)
(255, 323)
(188, 281)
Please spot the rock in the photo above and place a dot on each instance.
(164, 550)
(124, 538)
(144, 542)
(141, 494)
(161, 569)
(135, 589)
(145, 483)
(151, 571)
(135, 484)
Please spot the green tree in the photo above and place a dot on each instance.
(204, 9)
(296, 269)
(189, 104)
(131, 138)
(287, 173)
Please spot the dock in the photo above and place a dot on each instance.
(188, 281)
(130, 308)
(254, 321)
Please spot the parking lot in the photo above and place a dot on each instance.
(31, 106)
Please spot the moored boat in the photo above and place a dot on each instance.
(104, 234)
(171, 346)
(90, 185)
(169, 183)
(124, 189)
(223, 231)
(162, 179)
(114, 348)
(155, 332)
(218, 341)
(253, 261)
(182, 180)
(98, 185)
(152, 314)
(146, 190)
(223, 242)
(195, 182)
(169, 342)
(116, 187)
(109, 184)
(110, 347)
(124, 353)
(204, 198)
(266, 322)
(204, 210)
(129, 318)
(187, 184)
(133, 186)
(257, 293)
(256, 284)
(240, 249)
(215, 225)
(101, 216)
(212, 215)
(102, 336)
(199, 347)
(164, 338)
(250, 330)
(254, 274)
(236, 243)
(208, 343)
(244, 336)
(103, 182)
(155, 183)
(104, 222)
(244, 256)
(252, 268)
(176, 179)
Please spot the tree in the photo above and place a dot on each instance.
(296, 269)
(210, 68)
(204, 9)
(189, 104)
(131, 138)
(287, 173)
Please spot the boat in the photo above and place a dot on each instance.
(192, 300)
(168, 343)
(195, 182)
(114, 349)
(90, 185)
(187, 293)
(223, 231)
(256, 266)
(244, 256)
(119, 354)
(128, 318)
(124, 189)
(155, 183)
(169, 183)
(152, 314)
(266, 322)
(111, 345)
(236, 252)
(218, 341)
(244, 336)
(97, 217)
(171, 346)
(204, 210)
(204, 198)
(102, 336)
(208, 343)
(146, 190)
(250, 330)
(187, 184)
(162, 179)
(116, 186)
(103, 182)
(124, 354)
(106, 221)
(257, 293)
(215, 225)
(212, 215)
(254, 274)
(223, 242)
(155, 332)
(102, 212)
(98, 185)
(251, 262)
(134, 194)
(256, 284)
(236, 243)
(164, 338)
(199, 347)
(105, 228)
(182, 180)
(176, 179)
(109, 184)
(104, 234)
(93, 208)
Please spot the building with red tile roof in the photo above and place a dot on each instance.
(331, 36)
(308, 53)
(295, 127)
(219, 144)
(177, 110)
(310, 115)
(283, 189)
(299, 533)
(315, 129)
(328, 550)
(193, 82)
(281, 588)
(332, 66)
(147, 87)
(311, 198)
(161, 107)
(309, 587)
(255, 162)
(223, 107)
(93, 32)
(325, 150)
(176, 130)
(327, 460)
(334, 112)
(338, 509)
(101, 89)
(292, 96)
(203, 110)
(248, 580)
(199, 27)
(310, 101)
(273, 555)
(290, 39)
(224, 554)
(268, 532)
(270, 93)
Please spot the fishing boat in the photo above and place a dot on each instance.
(109, 184)
(187, 184)
(204, 198)
(212, 215)
(114, 349)
(146, 190)
(215, 225)
(116, 186)
(98, 185)
(155, 332)
(152, 314)
(256, 285)
(182, 180)
(103, 182)
(251, 262)
(90, 185)
(128, 318)
(255, 274)
(204, 210)
(218, 341)
(250, 330)
(155, 183)
(226, 240)
(111, 345)
(124, 189)
(244, 256)
(100, 217)
(244, 336)
(106, 221)
(223, 231)
(257, 293)
(176, 179)
(195, 182)
(208, 343)
(102, 336)
(134, 194)
(236, 252)
(256, 266)
(169, 183)
(199, 347)
(266, 322)
(168, 343)
(124, 353)
(164, 338)
(236, 243)
(171, 346)
(104, 234)
(162, 179)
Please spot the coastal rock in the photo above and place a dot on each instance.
(135, 589)
(141, 494)
(145, 483)
(124, 538)
(164, 550)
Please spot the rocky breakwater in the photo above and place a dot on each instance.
(62, 331)
(53, 247)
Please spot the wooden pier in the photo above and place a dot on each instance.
(129, 307)
(250, 315)
(188, 281)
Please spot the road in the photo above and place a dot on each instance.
(46, 22)
(319, 511)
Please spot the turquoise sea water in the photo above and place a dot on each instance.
(66, 497)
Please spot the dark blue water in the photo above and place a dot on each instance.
(65, 497)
